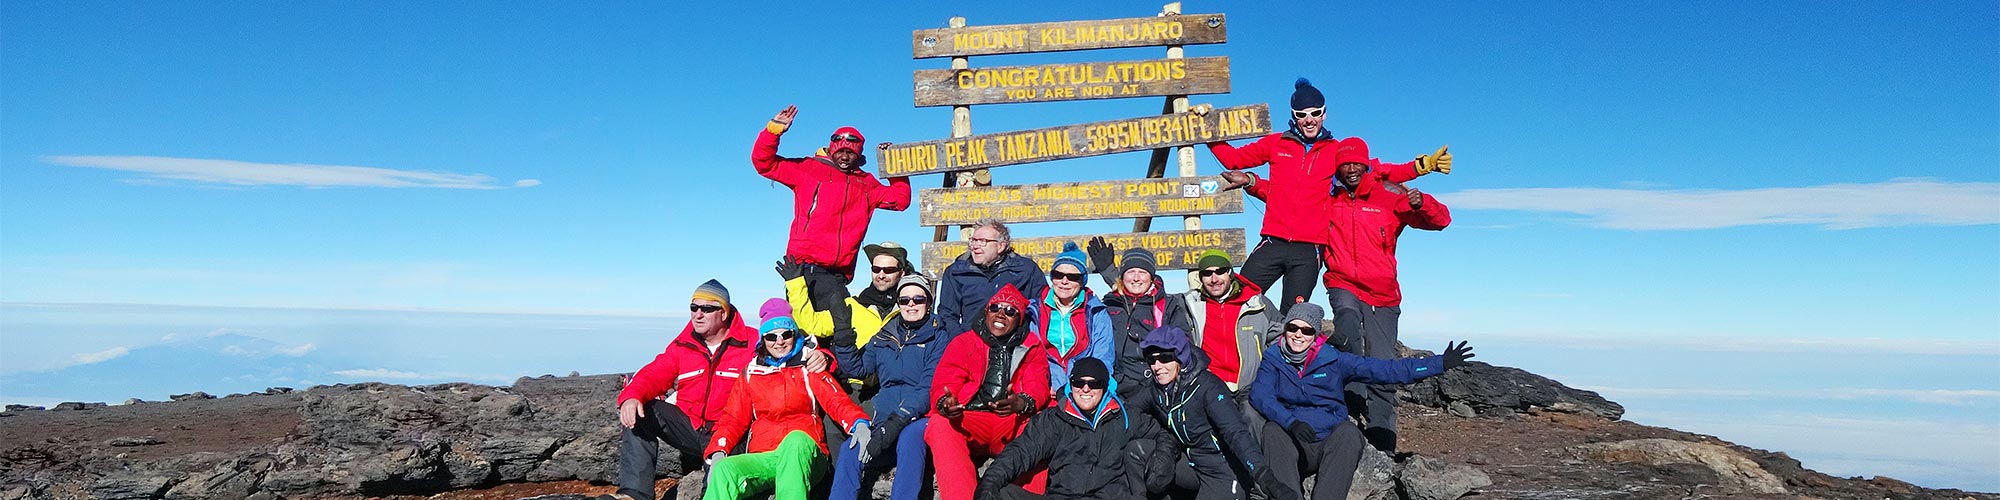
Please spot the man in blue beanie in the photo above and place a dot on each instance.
(1302, 170)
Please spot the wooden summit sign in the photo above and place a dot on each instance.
(1171, 249)
(1078, 201)
(1185, 29)
(1073, 141)
(1072, 81)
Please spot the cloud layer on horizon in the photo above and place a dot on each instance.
(1897, 202)
(242, 173)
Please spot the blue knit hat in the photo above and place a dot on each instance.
(1071, 255)
(1304, 96)
(781, 323)
(1171, 338)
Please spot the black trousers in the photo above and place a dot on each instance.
(1332, 459)
(828, 291)
(639, 448)
(1297, 262)
(1368, 331)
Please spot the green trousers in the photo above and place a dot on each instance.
(787, 472)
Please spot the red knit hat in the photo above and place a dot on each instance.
(836, 144)
(1010, 296)
(1352, 150)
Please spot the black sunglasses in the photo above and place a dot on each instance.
(1087, 383)
(1296, 328)
(1162, 358)
(1213, 271)
(707, 308)
(846, 138)
(1003, 309)
(913, 300)
(774, 337)
(1059, 275)
(886, 270)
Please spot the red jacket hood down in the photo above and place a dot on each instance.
(1364, 224)
(693, 378)
(830, 207)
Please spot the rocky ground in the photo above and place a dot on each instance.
(1484, 431)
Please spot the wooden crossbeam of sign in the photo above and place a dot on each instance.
(1073, 141)
(1184, 29)
(1115, 199)
(1171, 249)
(1072, 81)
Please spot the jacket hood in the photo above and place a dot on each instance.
(1174, 338)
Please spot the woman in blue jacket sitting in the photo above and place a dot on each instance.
(901, 357)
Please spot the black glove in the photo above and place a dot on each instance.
(790, 269)
(1268, 481)
(885, 434)
(1101, 255)
(1455, 356)
(1302, 433)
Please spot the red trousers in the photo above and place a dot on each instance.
(974, 435)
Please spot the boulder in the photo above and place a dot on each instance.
(129, 441)
(1738, 474)
(13, 408)
(192, 396)
(1482, 386)
(139, 486)
(232, 479)
(1374, 477)
(1424, 478)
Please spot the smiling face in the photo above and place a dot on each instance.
(1087, 398)
(846, 159)
(1350, 173)
(1215, 281)
(1164, 366)
(1001, 319)
(908, 306)
(1309, 123)
(1061, 283)
(881, 280)
(779, 342)
(1298, 335)
(1137, 281)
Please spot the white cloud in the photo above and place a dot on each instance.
(380, 373)
(1898, 202)
(241, 173)
(100, 356)
(298, 350)
(235, 350)
(1954, 397)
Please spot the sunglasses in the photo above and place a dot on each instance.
(913, 300)
(1003, 309)
(1088, 383)
(1161, 358)
(1059, 275)
(707, 308)
(886, 270)
(1302, 329)
(1213, 271)
(846, 138)
(774, 337)
(1309, 112)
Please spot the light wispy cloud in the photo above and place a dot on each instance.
(243, 173)
(1898, 202)
(100, 356)
(1931, 396)
(386, 374)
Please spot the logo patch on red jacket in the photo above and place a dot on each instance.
(1371, 209)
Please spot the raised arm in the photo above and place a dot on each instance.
(895, 196)
(764, 153)
(1254, 154)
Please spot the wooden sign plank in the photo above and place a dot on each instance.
(1073, 141)
(1072, 81)
(1115, 199)
(1185, 29)
(1171, 249)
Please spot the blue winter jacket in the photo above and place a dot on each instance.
(1312, 394)
(964, 288)
(1096, 339)
(902, 360)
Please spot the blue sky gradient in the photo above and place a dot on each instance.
(1813, 188)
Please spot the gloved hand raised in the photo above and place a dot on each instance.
(1439, 162)
(1302, 433)
(1455, 356)
(790, 269)
(1101, 255)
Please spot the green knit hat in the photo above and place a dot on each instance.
(1212, 258)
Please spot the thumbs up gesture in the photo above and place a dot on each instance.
(1439, 161)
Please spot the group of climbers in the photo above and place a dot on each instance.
(1217, 392)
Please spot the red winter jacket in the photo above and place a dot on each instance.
(1365, 224)
(1295, 195)
(964, 366)
(830, 207)
(698, 380)
(774, 401)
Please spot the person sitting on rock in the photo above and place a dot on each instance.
(1233, 323)
(778, 404)
(1203, 443)
(987, 386)
(1137, 304)
(1084, 443)
(901, 359)
(971, 279)
(1071, 324)
(679, 396)
(1299, 390)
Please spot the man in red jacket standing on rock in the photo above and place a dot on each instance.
(1366, 217)
(680, 396)
(1302, 171)
(832, 202)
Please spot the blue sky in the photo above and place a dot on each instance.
(1807, 181)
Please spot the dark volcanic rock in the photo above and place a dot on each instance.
(1482, 386)
(1432, 479)
(24, 408)
(192, 396)
(122, 442)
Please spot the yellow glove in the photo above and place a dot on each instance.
(1439, 162)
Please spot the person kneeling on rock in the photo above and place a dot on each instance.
(1298, 389)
